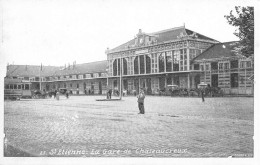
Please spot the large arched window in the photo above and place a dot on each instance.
(197, 80)
(136, 66)
(154, 62)
(119, 65)
(47, 87)
(176, 60)
(142, 66)
(115, 67)
(84, 85)
(130, 66)
(161, 62)
(124, 66)
(148, 64)
(169, 61)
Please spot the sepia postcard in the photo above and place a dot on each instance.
(128, 82)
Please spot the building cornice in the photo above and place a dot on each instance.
(186, 38)
(219, 59)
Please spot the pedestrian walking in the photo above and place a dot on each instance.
(109, 93)
(67, 94)
(202, 95)
(124, 92)
(134, 92)
(140, 101)
(58, 95)
(54, 94)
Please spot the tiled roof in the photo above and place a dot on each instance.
(220, 50)
(34, 71)
(169, 34)
(7, 80)
(166, 35)
(29, 70)
(123, 46)
(200, 36)
(93, 67)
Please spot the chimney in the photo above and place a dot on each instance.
(107, 50)
(140, 31)
(74, 64)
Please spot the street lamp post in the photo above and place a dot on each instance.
(107, 77)
(107, 83)
(40, 77)
(120, 87)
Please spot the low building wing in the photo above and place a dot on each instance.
(218, 51)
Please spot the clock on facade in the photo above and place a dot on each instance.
(141, 40)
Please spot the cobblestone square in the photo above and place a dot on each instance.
(171, 127)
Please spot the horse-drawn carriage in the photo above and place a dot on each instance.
(208, 91)
(174, 90)
(39, 94)
(214, 92)
(42, 94)
(60, 91)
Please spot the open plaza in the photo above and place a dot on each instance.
(171, 127)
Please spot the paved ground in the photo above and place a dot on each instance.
(171, 127)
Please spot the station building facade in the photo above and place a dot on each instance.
(221, 67)
(154, 60)
(88, 78)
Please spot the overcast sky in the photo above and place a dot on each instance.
(55, 32)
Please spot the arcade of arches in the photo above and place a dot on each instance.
(152, 72)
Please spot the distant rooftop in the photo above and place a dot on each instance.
(38, 70)
(219, 50)
(92, 67)
(166, 35)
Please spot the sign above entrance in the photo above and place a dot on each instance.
(141, 51)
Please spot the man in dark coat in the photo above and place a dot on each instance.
(67, 94)
(140, 101)
(202, 94)
(109, 92)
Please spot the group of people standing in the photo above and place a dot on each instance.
(56, 94)
(109, 93)
(140, 99)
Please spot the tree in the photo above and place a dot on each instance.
(244, 20)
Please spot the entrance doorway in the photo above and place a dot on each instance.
(214, 80)
(125, 85)
(92, 88)
(100, 88)
(47, 87)
(136, 85)
(38, 86)
(149, 86)
(197, 80)
(162, 83)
